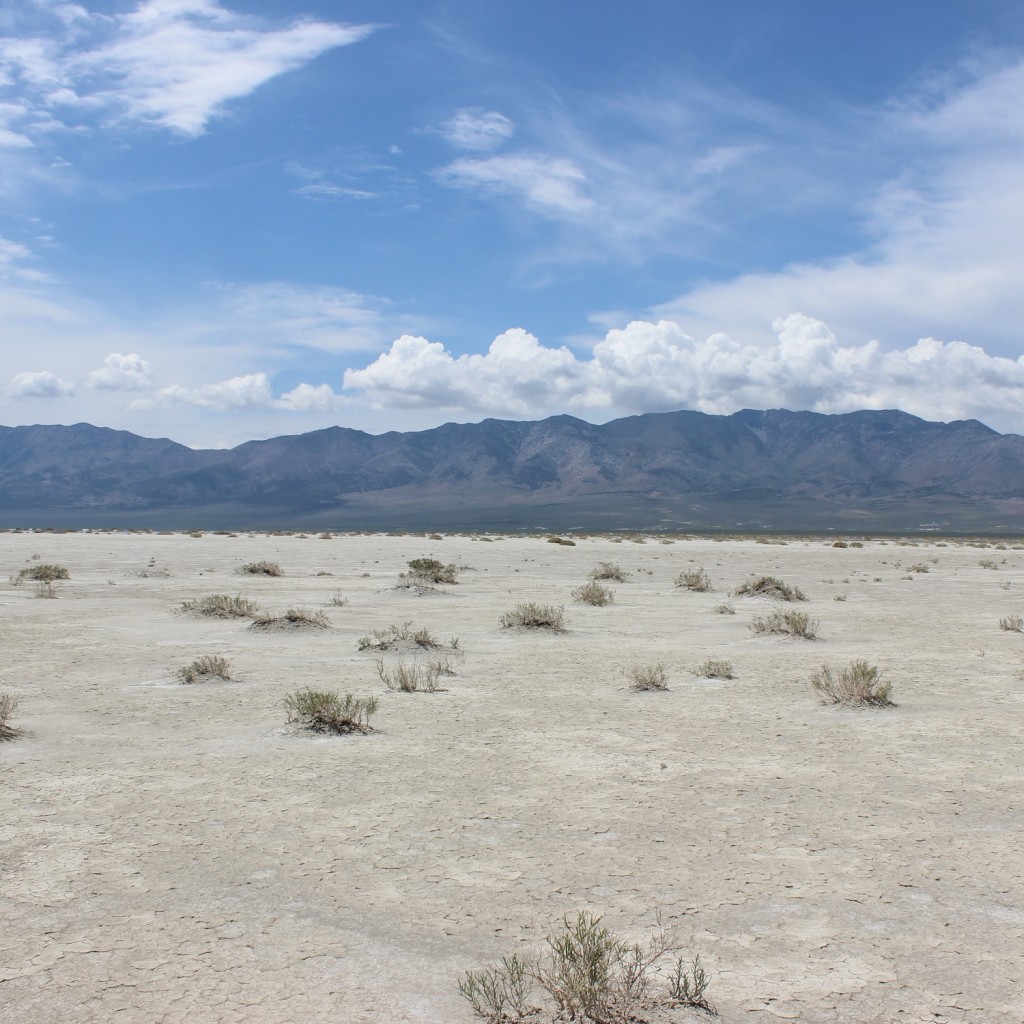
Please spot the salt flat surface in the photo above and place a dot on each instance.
(174, 853)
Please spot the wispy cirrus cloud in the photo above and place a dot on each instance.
(173, 64)
(477, 129)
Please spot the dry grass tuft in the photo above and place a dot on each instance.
(723, 609)
(414, 677)
(564, 541)
(222, 606)
(859, 683)
(593, 593)
(530, 615)
(694, 579)
(8, 706)
(261, 569)
(788, 624)
(327, 711)
(1012, 624)
(207, 667)
(770, 586)
(713, 668)
(396, 636)
(431, 570)
(645, 678)
(608, 571)
(293, 618)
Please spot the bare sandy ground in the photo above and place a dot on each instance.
(174, 853)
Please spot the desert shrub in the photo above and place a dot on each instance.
(724, 609)
(499, 993)
(607, 571)
(433, 570)
(338, 600)
(838, 597)
(918, 567)
(770, 586)
(293, 618)
(688, 983)
(647, 677)
(396, 636)
(530, 615)
(840, 544)
(1012, 624)
(261, 569)
(694, 579)
(593, 593)
(562, 540)
(44, 573)
(713, 668)
(410, 678)
(988, 563)
(435, 536)
(206, 667)
(327, 711)
(8, 706)
(859, 683)
(787, 623)
(46, 588)
(222, 606)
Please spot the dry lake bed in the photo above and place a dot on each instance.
(175, 852)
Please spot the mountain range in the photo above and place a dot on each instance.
(753, 470)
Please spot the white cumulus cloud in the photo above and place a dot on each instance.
(649, 367)
(121, 373)
(39, 384)
(250, 391)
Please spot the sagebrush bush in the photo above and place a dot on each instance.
(530, 615)
(694, 579)
(293, 618)
(1012, 624)
(715, 668)
(770, 586)
(8, 707)
(44, 573)
(327, 711)
(562, 540)
(607, 571)
(222, 606)
(262, 569)
(787, 623)
(208, 666)
(724, 609)
(859, 683)
(46, 589)
(593, 593)
(500, 993)
(647, 677)
(433, 570)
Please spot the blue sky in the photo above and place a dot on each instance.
(221, 221)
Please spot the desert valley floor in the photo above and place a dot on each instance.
(176, 852)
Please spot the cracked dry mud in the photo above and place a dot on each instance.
(173, 853)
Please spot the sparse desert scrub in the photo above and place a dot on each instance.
(46, 589)
(563, 541)
(204, 668)
(222, 606)
(607, 571)
(261, 569)
(858, 683)
(590, 974)
(293, 618)
(918, 567)
(724, 609)
(327, 711)
(787, 623)
(644, 678)
(395, 636)
(410, 677)
(338, 600)
(8, 706)
(840, 544)
(715, 668)
(43, 573)
(530, 615)
(770, 586)
(694, 579)
(593, 593)
(1012, 624)
(432, 570)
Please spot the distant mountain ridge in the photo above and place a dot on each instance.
(772, 469)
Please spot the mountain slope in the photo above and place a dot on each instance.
(775, 468)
